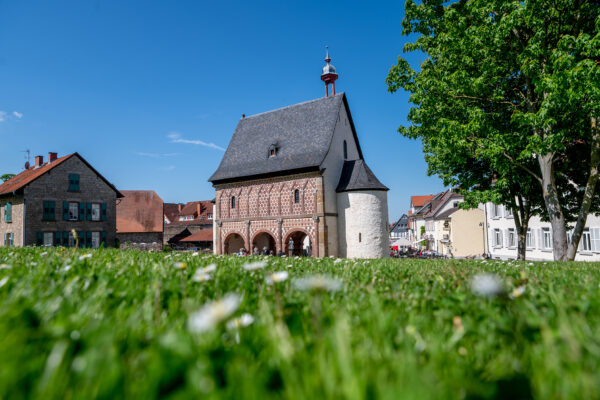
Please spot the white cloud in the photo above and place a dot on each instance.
(18, 114)
(157, 155)
(2, 116)
(176, 138)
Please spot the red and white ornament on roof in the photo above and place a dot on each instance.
(329, 75)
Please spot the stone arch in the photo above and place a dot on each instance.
(233, 242)
(298, 235)
(262, 239)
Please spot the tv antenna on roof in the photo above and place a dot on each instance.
(28, 156)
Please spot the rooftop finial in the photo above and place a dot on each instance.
(329, 75)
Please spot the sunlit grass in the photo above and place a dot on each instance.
(125, 324)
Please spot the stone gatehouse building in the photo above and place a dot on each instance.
(294, 180)
(45, 202)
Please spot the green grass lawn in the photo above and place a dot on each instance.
(125, 324)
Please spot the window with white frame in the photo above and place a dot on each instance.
(497, 238)
(508, 212)
(496, 211)
(48, 239)
(595, 239)
(187, 218)
(95, 212)
(512, 238)
(95, 240)
(546, 238)
(73, 211)
(209, 216)
(586, 240)
(530, 240)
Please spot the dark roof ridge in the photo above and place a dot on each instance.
(291, 105)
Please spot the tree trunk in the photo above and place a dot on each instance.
(521, 215)
(589, 189)
(557, 218)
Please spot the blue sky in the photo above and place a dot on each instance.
(150, 92)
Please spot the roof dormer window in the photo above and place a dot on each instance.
(273, 150)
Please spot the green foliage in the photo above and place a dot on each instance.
(6, 177)
(114, 325)
(422, 230)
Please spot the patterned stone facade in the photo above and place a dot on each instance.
(278, 207)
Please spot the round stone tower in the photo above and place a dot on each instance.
(362, 213)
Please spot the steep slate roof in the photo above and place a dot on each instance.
(140, 211)
(24, 178)
(203, 235)
(302, 134)
(356, 175)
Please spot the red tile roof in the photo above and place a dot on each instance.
(204, 235)
(199, 210)
(24, 178)
(420, 201)
(140, 211)
(171, 210)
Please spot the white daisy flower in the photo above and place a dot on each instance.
(83, 257)
(241, 322)
(318, 283)
(337, 261)
(211, 314)
(194, 254)
(289, 266)
(276, 277)
(255, 265)
(179, 265)
(5, 266)
(517, 292)
(3, 281)
(210, 268)
(201, 276)
(487, 285)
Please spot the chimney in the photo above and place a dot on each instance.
(52, 157)
(199, 208)
(39, 160)
(179, 207)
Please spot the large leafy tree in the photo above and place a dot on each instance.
(6, 177)
(509, 93)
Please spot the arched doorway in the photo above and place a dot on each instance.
(298, 243)
(233, 243)
(262, 241)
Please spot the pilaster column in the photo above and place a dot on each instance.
(279, 244)
(315, 245)
(248, 238)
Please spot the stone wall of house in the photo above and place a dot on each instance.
(363, 224)
(141, 240)
(54, 186)
(16, 225)
(268, 206)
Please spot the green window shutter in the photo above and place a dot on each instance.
(8, 212)
(88, 239)
(88, 213)
(65, 239)
(12, 239)
(6, 239)
(57, 236)
(40, 238)
(44, 210)
(73, 182)
(52, 210)
(103, 212)
(82, 211)
(103, 238)
(65, 210)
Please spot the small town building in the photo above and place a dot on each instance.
(502, 237)
(416, 222)
(43, 204)
(400, 228)
(294, 181)
(183, 220)
(140, 220)
(201, 240)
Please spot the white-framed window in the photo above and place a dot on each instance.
(95, 212)
(586, 240)
(496, 211)
(512, 238)
(595, 239)
(73, 211)
(48, 239)
(546, 238)
(209, 216)
(187, 218)
(497, 238)
(530, 240)
(95, 240)
(508, 212)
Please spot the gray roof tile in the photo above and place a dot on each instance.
(356, 175)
